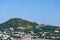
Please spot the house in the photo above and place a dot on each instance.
(5, 37)
(57, 31)
(1, 33)
(26, 37)
(11, 28)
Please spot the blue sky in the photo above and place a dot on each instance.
(40, 11)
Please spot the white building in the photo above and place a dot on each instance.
(57, 31)
(4, 37)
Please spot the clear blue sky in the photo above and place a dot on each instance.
(40, 11)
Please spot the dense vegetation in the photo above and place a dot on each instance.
(27, 25)
(17, 22)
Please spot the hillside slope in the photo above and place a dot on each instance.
(17, 22)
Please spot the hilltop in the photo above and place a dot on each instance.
(22, 24)
(17, 22)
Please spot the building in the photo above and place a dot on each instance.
(27, 37)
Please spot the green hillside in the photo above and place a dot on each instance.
(18, 24)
